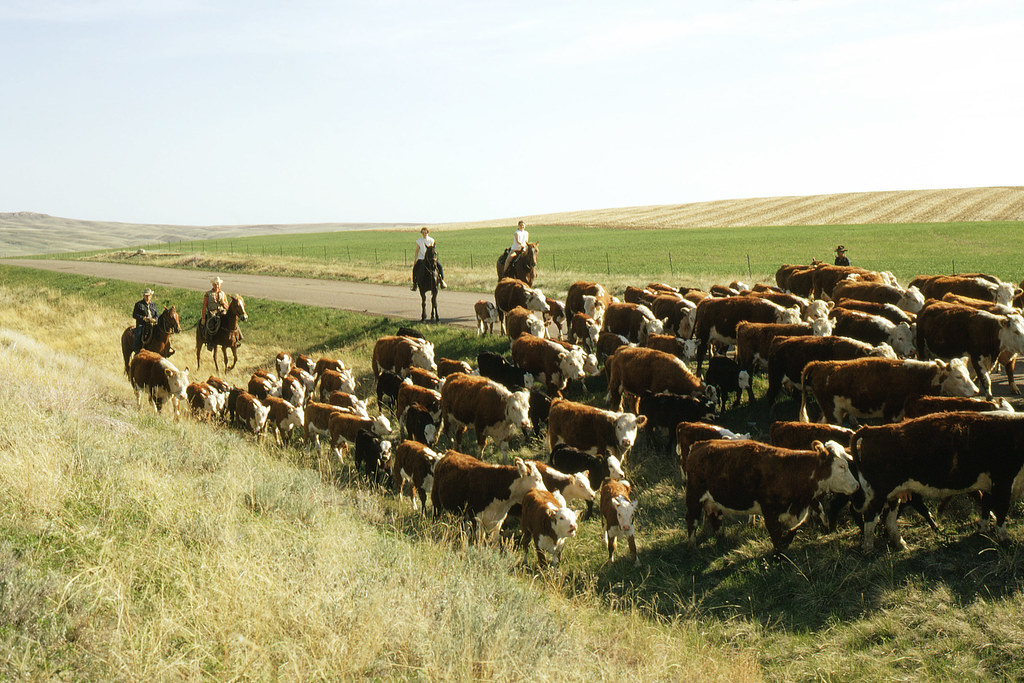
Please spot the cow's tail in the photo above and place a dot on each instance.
(805, 376)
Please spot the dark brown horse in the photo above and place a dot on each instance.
(427, 280)
(523, 267)
(157, 338)
(228, 335)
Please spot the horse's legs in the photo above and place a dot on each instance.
(423, 305)
(234, 358)
(433, 306)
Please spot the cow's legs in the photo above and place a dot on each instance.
(892, 526)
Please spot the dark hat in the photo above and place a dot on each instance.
(840, 249)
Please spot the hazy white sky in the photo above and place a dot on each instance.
(258, 111)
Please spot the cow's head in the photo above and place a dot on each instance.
(883, 350)
(901, 339)
(177, 380)
(651, 326)
(528, 478)
(816, 309)
(517, 409)
(534, 326)
(840, 478)
(788, 316)
(626, 426)
(381, 425)
(423, 356)
(593, 307)
(284, 364)
(593, 331)
(260, 414)
(1004, 293)
(384, 452)
(822, 327)
(579, 487)
(614, 468)
(295, 419)
(624, 511)
(535, 300)
(1011, 334)
(563, 522)
(571, 362)
(912, 300)
(954, 378)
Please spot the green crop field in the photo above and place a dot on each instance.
(135, 548)
(695, 256)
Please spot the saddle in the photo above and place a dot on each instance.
(212, 326)
(147, 333)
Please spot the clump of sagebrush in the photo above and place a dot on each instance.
(140, 548)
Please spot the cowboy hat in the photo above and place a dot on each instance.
(216, 281)
(147, 292)
(840, 249)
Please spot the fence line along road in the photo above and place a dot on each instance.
(455, 308)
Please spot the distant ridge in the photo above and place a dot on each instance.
(909, 206)
(25, 232)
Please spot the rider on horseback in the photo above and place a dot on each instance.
(215, 305)
(144, 314)
(422, 243)
(519, 240)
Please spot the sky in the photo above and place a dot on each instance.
(217, 112)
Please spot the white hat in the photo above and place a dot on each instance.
(216, 281)
(147, 292)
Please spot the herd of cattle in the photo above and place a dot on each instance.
(858, 343)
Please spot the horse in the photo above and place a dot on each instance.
(156, 338)
(427, 281)
(228, 335)
(523, 267)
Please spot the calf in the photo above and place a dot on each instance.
(916, 406)
(293, 390)
(548, 362)
(283, 362)
(665, 411)
(689, 433)
(447, 366)
(283, 418)
(486, 316)
(753, 340)
(373, 454)
(490, 408)
(608, 343)
(800, 435)
(420, 425)
(349, 403)
(510, 293)
(725, 375)
(633, 321)
(317, 421)
(424, 378)
(569, 486)
(873, 329)
(939, 456)
(617, 512)
(410, 394)
(584, 330)
(554, 318)
(398, 354)
(909, 300)
(388, 384)
(252, 413)
(984, 288)
(482, 491)
(204, 399)
(676, 313)
(334, 380)
(748, 477)
(344, 427)
(154, 374)
(548, 522)
(888, 311)
(263, 384)
(587, 297)
(521, 321)
(637, 370)
(592, 430)
(597, 467)
(716, 319)
(878, 387)
(683, 349)
(493, 366)
(324, 363)
(540, 407)
(413, 463)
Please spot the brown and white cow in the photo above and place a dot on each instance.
(410, 394)
(608, 343)
(263, 383)
(800, 435)
(349, 403)
(916, 406)
(482, 491)
(636, 370)
(486, 316)
(413, 463)
(252, 412)
(548, 523)
(683, 349)
(569, 485)
(283, 418)
(689, 433)
(910, 300)
(951, 330)
(788, 356)
(491, 409)
(987, 288)
(157, 376)
(824, 278)
(878, 387)
(520, 321)
(745, 477)
(584, 330)
(587, 297)
(939, 456)
(753, 340)
(316, 423)
(344, 427)
(447, 366)
(510, 293)
(554, 318)
(204, 400)
(676, 313)
(888, 311)
(617, 512)
(592, 430)
(283, 362)
(548, 362)
(716, 319)
(424, 378)
(873, 329)
(797, 278)
(398, 354)
(332, 380)
(633, 321)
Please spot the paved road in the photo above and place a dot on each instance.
(455, 308)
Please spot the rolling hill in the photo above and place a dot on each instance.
(23, 233)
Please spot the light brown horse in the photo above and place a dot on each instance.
(156, 339)
(227, 337)
(523, 267)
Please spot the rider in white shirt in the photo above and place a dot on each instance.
(519, 240)
(424, 241)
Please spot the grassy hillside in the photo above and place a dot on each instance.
(24, 233)
(138, 548)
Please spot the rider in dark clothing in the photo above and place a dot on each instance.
(841, 259)
(144, 314)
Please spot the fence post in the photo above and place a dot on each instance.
(749, 273)
(471, 260)
(607, 264)
(375, 255)
(954, 266)
(670, 269)
(552, 262)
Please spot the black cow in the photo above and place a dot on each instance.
(493, 366)
(565, 458)
(373, 454)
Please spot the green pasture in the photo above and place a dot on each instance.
(907, 250)
(946, 608)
